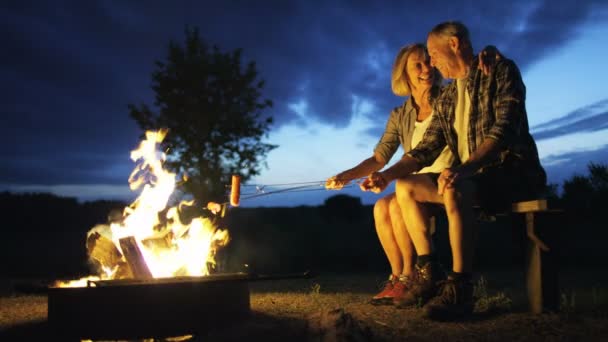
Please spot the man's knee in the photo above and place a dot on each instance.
(419, 188)
(405, 189)
(458, 196)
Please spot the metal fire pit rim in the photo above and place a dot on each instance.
(219, 277)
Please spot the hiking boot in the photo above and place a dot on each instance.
(421, 287)
(386, 295)
(402, 287)
(454, 300)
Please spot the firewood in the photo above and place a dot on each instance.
(161, 240)
(103, 251)
(134, 258)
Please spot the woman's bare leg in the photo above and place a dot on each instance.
(402, 237)
(384, 229)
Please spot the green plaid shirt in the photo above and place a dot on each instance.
(498, 111)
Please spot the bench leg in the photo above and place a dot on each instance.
(541, 271)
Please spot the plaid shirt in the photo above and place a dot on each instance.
(498, 112)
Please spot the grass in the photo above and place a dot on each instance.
(486, 303)
(300, 310)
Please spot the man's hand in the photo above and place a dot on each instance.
(488, 59)
(451, 176)
(375, 183)
(336, 182)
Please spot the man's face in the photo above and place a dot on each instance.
(442, 55)
(419, 71)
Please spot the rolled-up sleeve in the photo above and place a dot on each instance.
(431, 145)
(508, 103)
(390, 140)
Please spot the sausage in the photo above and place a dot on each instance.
(235, 191)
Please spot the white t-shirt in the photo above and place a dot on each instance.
(445, 159)
(461, 119)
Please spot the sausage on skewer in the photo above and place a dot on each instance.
(235, 192)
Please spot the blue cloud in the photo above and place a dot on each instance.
(564, 166)
(590, 118)
(70, 68)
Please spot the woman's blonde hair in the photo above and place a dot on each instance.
(400, 82)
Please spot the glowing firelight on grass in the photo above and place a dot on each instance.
(169, 246)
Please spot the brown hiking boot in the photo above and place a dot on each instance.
(422, 286)
(385, 296)
(454, 301)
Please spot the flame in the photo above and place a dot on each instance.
(82, 282)
(169, 246)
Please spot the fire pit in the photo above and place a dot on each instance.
(144, 308)
(129, 308)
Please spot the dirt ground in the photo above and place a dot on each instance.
(336, 308)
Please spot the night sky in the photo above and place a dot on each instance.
(70, 68)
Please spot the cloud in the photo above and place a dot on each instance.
(590, 118)
(69, 68)
(563, 166)
(66, 169)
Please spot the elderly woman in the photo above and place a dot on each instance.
(412, 76)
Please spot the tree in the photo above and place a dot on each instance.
(577, 194)
(213, 109)
(598, 176)
(342, 207)
(587, 195)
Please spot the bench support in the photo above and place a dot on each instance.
(541, 265)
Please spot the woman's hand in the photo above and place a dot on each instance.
(375, 183)
(488, 59)
(337, 182)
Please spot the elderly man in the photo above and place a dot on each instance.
(483, 120)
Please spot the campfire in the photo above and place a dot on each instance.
(154, 269)
(148, 239)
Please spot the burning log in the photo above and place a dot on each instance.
(160, 241)
(103, 250)
(135, 258)
(103, 253)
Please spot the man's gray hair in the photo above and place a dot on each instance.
(453, 29)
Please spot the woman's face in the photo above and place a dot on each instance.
(419, 71)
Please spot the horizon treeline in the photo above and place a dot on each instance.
(46, 233)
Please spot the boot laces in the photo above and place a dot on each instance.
(448, 292)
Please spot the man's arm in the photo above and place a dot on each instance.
(367, 166)
(378, 181)
(405, 166)
(422, 155)
(508, 103)
(432, 143)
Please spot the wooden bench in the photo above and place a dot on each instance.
(541, 266)
(541, 256)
